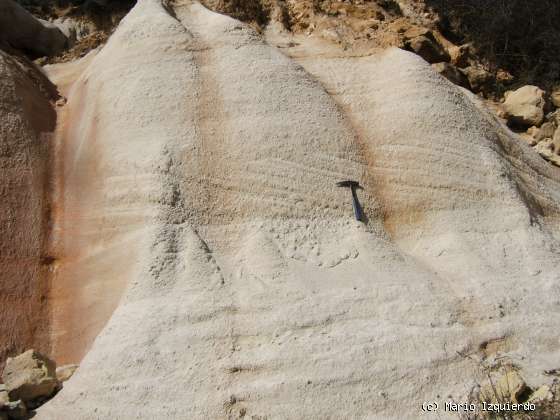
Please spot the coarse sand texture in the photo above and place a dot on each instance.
(211, 268)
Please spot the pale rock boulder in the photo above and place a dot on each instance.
(30, 376)
(525, 106)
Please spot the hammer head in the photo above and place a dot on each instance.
(349, 184)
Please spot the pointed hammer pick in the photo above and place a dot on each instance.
(353, 185)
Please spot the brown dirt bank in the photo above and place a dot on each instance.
(26, 121)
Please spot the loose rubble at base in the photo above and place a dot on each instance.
(30, 380)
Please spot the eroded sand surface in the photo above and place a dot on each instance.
(196, 178)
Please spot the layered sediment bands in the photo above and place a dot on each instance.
(441, 164)
(27, 120)
(111, 153)
(198, 185)
(192, 154)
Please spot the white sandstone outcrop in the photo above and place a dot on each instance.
(198, 201)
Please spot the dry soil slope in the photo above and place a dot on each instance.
(26, 120)
(250, 288)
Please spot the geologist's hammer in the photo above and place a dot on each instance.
(353, 185)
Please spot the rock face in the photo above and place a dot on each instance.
(525, 106)
(22, 31)
(451, 73)
(27, 120)
(460, 55)
(251, 290)
(30, 376)
(479, 78)
(426, 46)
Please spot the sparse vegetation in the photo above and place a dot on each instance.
(520, 36)
(252, 11)
(503, 384)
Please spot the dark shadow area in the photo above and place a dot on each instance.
(99, 10)
(520, 36)
(257, 11)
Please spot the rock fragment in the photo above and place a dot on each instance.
(30, 376)
(451, 73)
(510, 387)
(546, 131)
(525, 106)
(426, 46)
(63, 373)
(479, 78)
(460, 55)
(549, 146)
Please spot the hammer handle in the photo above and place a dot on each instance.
(356, 206)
